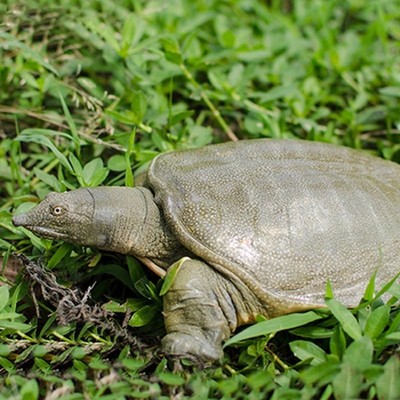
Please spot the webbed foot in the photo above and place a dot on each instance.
(198, 313)
(182, 344)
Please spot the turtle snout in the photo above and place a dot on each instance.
(20, 220)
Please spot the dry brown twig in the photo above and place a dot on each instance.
(72, 305)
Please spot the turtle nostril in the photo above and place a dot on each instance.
(19, 220)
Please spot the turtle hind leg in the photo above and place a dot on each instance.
(199, 312)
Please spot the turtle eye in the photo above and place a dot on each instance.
(57, 210)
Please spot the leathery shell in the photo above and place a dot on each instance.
(284, 216)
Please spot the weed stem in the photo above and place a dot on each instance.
(209, 103)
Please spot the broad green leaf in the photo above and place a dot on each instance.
(37, 136)
(15, 326)
(359, 353)
(76, 165)
(78, 353)
(39, 350)
(328, 290)
(337, 343)
(160, 141)
(170, 378)
(4, 297)
(235, 77)
(362, 315)
(370, 289)
(6, 172)
(5, 222)
(284, 322)
(41, 244)
(7, 365)
(347, 383)
(99, 365)
(78, 365)
(9, 315)
(136, 304)
(259, 378)
(126, 117)
(83, 332)
(132, 31)
(313, 332)
(172, 50)
(144, 316)
(43, 365)
(105, 31)
(114, 307)
(322, 373)
(278, 92)
(47, 133)
(388, 384)
(117, 163)
(377, 321)
(5, 350)
(11, 42)
(143, 389)
(230, 386)
(48, 179)
(99, 177)
(217, 80)
(136, 273)
(30, 390)
(393, 336)
(94, 173)
(172, 272)
(304, 350)
(133, 364)
(199, 136)
(390, 91)
(19, 292)
(64, 250)
(94, 261)
(5, 245)
(139, 104)
(227, 38)
(394, 290)
(142, 287)
(388, 285)
(50, 321)
(153, 293)
(345, 317)
(180, 116)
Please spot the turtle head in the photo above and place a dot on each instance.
(120, 219)
(64, 216)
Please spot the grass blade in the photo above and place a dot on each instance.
(345, 317)
(282, 323)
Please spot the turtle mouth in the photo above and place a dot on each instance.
(46, 233)
(24, 221)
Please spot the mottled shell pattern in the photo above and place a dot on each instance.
(284, 217)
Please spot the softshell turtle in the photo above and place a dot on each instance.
(264, 225)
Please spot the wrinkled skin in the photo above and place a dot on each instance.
(262, 225)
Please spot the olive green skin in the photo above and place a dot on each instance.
(260, 227)
(285, 216)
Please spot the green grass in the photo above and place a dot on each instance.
(91, 91)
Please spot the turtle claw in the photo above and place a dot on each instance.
(181, 344)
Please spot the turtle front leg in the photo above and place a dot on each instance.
(199, 312)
